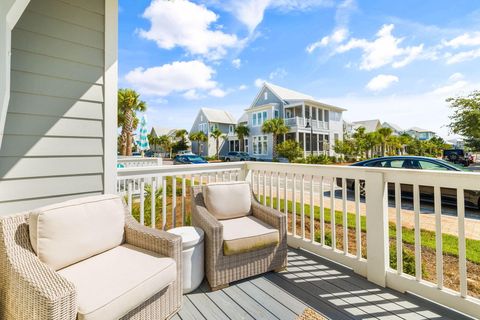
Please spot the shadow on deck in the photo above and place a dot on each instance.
(310, 282)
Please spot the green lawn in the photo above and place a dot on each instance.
(450, 242)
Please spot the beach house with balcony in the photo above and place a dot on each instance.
(420, 134)
(207, 120)
(302, 113)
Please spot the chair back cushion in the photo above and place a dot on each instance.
(68, 232)
(228, 200)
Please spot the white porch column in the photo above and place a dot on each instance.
(304, 141)
(303, 113)
(297, 138)
(377, 227)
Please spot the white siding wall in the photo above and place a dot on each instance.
(53, 144)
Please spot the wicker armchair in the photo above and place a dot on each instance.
(29, 289)
(221, 269)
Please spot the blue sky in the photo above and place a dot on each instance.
(393, 60)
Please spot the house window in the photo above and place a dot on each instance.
(335, 137)
(276, 114)
(259, 118)
(230, 129)
(213, 127)
(265, 95)
(202, 127)
(201, 117)
(335, 116)
(326, 116)
(245, 144)
(260, 145)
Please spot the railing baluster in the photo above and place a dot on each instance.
(438, 236)
(322, 213)
(399, 243)
(264, 188)
(201, 179)
(142, 201)
(302, 205)
(358, 220)
(294, 205)
(192, 180)
(258, 185)
(462, 257)
(312, 210)
(129, 196)
(344, 216)
(285, 198)
(184, 198)
(153, 202)
(418, 244)
(174, 201)
(278, 191)
(271, 189)
(164, 202)
(332, 214)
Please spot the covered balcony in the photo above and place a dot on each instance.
(342, 266)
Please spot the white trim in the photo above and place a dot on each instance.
(110, 96)
(10, 13)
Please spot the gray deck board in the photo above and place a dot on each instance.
(310, 281)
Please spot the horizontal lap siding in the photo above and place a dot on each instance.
(53, 144)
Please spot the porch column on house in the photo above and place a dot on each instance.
(297, 138)
(303, 113)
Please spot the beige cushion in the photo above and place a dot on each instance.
(228, 200)
(65, 233)
(114, 282)
(247, 234)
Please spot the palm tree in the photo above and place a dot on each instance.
(198, 137)
(193, 136)
(181, 133)
(275, 126)
(165, 143)
(242, 131)
(384, 134)
(370, 141)
(217, 134)
(128, 103)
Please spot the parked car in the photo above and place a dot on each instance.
(188, 159)
(185, 152)
(237, 156)
(456, 156)
(472, 198)
(149, 153)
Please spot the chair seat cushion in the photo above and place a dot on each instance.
(114, 282)
(247, 234)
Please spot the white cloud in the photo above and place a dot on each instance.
(466, 39)
(384, 50)
(251, 12)
(217, 92)
(456, 76)
(462, 56)
(451, 89)
(381, 82)
(336, 37)
(192, 94)
(179, 76)
(259, 82)
(237, 63)
(188, 25)
(243, 87)
(278, 73)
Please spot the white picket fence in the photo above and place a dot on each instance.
(314, 185)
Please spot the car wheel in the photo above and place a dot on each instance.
(227, 160)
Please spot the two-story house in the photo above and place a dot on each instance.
(206, 121)
(301, 113)
(421, 134)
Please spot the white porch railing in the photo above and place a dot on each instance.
(128, 162)
(309, 191)
(302, 123)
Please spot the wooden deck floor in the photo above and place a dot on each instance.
(310, 282)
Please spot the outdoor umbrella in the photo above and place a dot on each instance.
(143, 138)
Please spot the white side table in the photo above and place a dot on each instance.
(192, 256)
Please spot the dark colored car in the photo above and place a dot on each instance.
(472, 198)
(456, 156)
(237, 156)
(188, 159)
(149, 153)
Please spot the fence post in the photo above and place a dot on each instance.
(376, 191)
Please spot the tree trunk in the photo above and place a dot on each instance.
(242, 144)
(129, 131)
(217, 146)
(274, 144)
(123, 141)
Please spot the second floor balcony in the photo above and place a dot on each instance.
(301, 122)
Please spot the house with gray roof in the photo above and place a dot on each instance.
(301, 112)
(420, 133)
(206, 121)
(396, 130)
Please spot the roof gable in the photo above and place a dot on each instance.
(218, 116)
